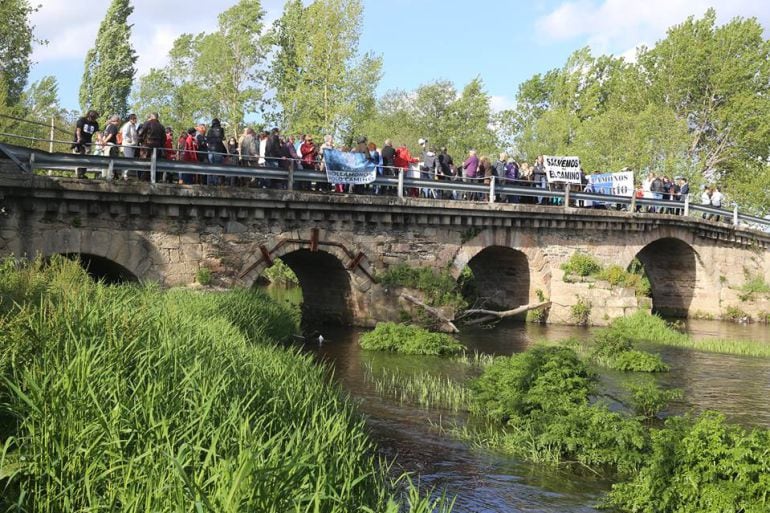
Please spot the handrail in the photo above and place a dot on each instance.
(39, 160)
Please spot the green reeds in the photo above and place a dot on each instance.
(128, 398)
(422, 389)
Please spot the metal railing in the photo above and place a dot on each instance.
(399, 183)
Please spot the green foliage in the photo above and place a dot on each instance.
(109, 391)
(109, 67)
(439, 288)
(736, 314)
(203, 276)
(692, 105)
(648, 399)
(408, 339)
(281, 274)
(619, 277)
(422, 389)
(753, 286)
(541, 379)
(581, 312)
(320, 82)
(613, 349)
(697, 466)
(15, 49)
(580, 264)
(542, 398)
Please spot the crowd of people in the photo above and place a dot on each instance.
(271, 149)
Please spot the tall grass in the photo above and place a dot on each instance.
(423, 389)
(132, 399)
(650, 328)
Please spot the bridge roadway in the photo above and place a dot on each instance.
(337, 244)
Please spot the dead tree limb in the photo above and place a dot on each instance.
(489, 315)
(435, 312)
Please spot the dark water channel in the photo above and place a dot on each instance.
(485, 482)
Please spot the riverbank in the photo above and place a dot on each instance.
(136, 399)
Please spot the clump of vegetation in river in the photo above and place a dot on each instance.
(700, 465)
(648, 399)
(409, 339)
(132, 398)
(541, 399)
(642, 326)
(438, 287)
(613, 349)
(423, 389)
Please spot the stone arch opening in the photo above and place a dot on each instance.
(325, 285)
(671, 266)
(501, 277)
(103, 269)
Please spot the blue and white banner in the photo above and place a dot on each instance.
(349, 168)
(617, 184)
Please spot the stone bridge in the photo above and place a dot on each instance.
(337, 245)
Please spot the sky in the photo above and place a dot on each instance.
(504, 42)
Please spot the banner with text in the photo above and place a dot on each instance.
(617, 184)
(562, 169)
(349, 168)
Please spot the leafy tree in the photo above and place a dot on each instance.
(41, 99)
(15, 47)
(320, 82)
(109, 67)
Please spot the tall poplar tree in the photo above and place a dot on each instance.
(109, 67)
(15, 48)
(320, 81)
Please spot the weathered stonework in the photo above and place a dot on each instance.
(337, 243)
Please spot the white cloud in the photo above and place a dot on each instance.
(615, 26)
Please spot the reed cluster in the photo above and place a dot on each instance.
(133, 399)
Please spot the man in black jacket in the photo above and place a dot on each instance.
(153, 138)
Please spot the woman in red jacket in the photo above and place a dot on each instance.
(190, 154)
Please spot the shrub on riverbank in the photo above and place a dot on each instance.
(613, 349)
(409, 339)
(133, 399)
(439, 288)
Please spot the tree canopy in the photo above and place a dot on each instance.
(15, 48)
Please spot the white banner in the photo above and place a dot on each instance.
(562, 169)
(617, 184)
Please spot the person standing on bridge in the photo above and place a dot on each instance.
(84, 132)
(154, 138)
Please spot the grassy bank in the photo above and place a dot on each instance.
(128, 398)
(650, 328)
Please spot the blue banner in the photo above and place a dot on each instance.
(349, 168)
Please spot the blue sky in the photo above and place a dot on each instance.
(502, 41)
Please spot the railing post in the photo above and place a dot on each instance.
(400, 182)
(50, 143)
(686, 205)
(290, 185)
(108, 173)
(566, 194)
(492, 189)
(153, 164)
(633, 202)
(735, 215)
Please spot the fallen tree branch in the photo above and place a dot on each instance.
(489, 315)
(435, 312)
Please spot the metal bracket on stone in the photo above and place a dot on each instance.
(5, 150)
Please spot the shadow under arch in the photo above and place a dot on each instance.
(325, 284)
(672, 267)
(501, 276)
(103, 269)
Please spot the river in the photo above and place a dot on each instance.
(485, 482)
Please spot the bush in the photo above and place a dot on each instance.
(615, 350)
(735, 314)
(648, 399)
(701, 465)
(439, 288)
(408, 339)
(638, 361)
(754, 285)
(203, 276)
(580, 264)
(281, 274)
(581, 312)
(619, 277)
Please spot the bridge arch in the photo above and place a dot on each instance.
(676, 274)
(510, 270)
(103, 269)
(326, 271)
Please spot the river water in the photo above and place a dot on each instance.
(486, 482)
